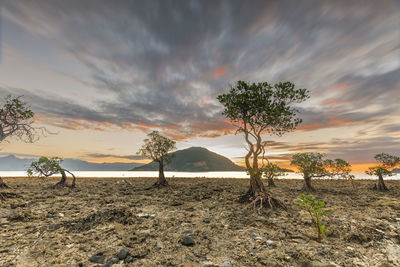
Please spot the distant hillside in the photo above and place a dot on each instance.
(195, 159)
(397, 170)
(13, 163)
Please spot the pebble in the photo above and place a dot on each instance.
(128, 259)
(271, 243)
(187, 241)
(254, 251)
(122, 254)
(97, 258)
(256, 236)
(145, 215)
(110, 262)
(226, 263)
(208, 264)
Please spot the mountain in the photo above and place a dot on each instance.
(396, 170)
(195, 159)
(13, 163)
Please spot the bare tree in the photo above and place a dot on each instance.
(256, 109)
(16, 119)
(45, 167)
(157, 147)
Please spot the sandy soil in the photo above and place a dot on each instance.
(67, 227)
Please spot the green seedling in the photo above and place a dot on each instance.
(316, 210)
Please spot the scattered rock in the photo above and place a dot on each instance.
(97, 258)
(256, 236)
(49, 215)
(110, 262)
(187, 241)
(208, 264)
(254, 251)
(129, 259)
(122, 254)
(187, 232)
(145, 215)
(226, 263)
(271, 243)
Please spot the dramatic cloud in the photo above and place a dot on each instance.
(161, 64)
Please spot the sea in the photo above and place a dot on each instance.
(222, 175)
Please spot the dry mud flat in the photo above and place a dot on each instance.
(95, 221)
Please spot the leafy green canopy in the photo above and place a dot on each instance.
(157, 147)
(258, 107)
(314, 165)
(386, 164)
(15, 120)
(45, 167)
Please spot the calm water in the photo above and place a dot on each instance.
(128, 174)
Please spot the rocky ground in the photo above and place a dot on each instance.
(194, 222)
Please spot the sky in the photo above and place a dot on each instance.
(100, 75)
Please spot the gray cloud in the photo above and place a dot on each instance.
(161, 58)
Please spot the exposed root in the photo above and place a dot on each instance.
(159, 184)
(61, 185)
(380, 188)
(262, 200)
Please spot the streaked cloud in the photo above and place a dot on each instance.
(144, 65)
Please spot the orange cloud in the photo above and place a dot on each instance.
(218, 72)
(333, 122)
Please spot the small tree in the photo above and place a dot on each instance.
(16, 120)
(313, 165)
(316, 210)
(45, 167)
(256, 109)
(386, 164)
(157, 147)
(272, 171)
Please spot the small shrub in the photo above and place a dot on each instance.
(316, 210)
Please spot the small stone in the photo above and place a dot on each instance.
(226, 263)
(145, 215)
(110, 262)
(208, 264)
(256, 236)
(128, 259)
(97, 258)
(122, 254)
(49, 215)
(61, 214)
(398, 219)
(187, 241)
(271, 243)
(254, 251)
(160, 244)
(186, 232)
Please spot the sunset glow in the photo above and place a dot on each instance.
(100, 78)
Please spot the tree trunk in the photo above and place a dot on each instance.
(307, 184)
(381, 184)
(3, 184)
(63, 180)
(161, 178)
(73, 178)
(271, 182)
